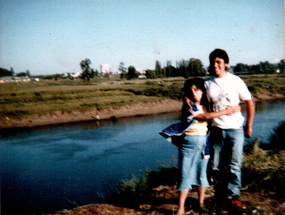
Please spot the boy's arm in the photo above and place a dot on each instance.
(250, 111)
(212, 115)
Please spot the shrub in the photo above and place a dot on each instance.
(135, 191)
(264, 170)
(277, 139)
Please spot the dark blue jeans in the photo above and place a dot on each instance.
(227, 151)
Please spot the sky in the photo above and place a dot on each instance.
(53, 37)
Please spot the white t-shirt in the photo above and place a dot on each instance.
(223, 92)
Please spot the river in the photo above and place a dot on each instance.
(56, 167)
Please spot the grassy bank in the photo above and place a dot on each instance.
(19, 100)
(263, 175)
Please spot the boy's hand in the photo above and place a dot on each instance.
(247, 131)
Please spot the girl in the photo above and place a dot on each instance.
(192, 165)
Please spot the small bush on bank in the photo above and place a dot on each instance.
(137, 191)
(277, 139)
(264, 171)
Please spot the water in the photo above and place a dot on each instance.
(51, 168)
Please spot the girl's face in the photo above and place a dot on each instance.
(196, 94)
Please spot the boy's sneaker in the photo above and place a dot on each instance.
(238, 204)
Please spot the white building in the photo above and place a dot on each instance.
(104, 68)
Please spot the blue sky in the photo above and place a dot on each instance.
(51, 36)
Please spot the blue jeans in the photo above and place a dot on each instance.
(227, 151)
(192, 166)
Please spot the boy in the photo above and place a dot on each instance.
(227, 135)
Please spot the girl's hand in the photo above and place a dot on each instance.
(233, 109)
(236, 108)
(188, 101)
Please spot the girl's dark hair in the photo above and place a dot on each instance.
(220, 53)
(199, 83)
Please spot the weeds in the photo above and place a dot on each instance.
(264, 170)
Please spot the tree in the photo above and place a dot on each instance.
(255, 69)
(21, 74)
(195, 67)
(96, 73)
(158, 70)
(241, 68)
(122, 67)
(169, 70)
(132, 73)
(123, 70)
(28, 73)
(281, 65)
(5, 72)
(12, 70)
(150, 74)
(267, 68)
(87, 73)
(183, 65)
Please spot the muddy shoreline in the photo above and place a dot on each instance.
(134, 110)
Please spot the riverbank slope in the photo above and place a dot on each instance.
(132, 110)
(59, 117)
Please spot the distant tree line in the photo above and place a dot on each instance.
(261, 68)
(194, 67)
(184, 68)
(5, 72)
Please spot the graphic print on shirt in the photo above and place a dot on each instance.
(220, 101)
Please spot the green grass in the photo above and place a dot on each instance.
(269, 84)
(38, 98)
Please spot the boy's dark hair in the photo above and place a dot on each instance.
(220, 53)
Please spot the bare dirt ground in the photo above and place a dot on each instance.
(167, 204)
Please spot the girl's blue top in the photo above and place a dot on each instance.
(173, 133)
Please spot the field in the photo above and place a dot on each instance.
(22, 99)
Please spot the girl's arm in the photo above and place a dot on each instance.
(188, 101)
(212, 115)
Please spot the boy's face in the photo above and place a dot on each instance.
(219, 67)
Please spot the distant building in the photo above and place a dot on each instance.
(104, 68)
(75, 75)
(139, 71)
